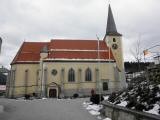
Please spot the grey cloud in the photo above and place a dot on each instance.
(42, 20)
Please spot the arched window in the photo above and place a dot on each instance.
(71, 75)
(88, 74)
(114, 39)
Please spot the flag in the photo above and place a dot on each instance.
(145, 52)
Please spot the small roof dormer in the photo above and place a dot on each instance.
(44, 49)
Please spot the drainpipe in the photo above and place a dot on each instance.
(42, 94)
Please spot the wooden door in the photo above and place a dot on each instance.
(52, 93)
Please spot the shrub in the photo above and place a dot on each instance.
(27, 97)
(132, 102)
(34, 94)
(112, 97)
(96, 98)
(140, 107)
(75, 95)
(149, 107)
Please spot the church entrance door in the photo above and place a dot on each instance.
(52, 93)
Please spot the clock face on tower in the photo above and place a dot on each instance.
(114, 46)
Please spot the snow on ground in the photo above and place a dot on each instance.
(44, 98)
(93, 112)
(99, 117)
(123, 103)
(106, 97)
(92, 108)
(154, 110)
(107, 119)
(85, 104)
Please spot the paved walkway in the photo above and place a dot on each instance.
(49, 109)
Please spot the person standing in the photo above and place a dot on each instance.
(92, 92)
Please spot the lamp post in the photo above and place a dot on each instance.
(98, 58)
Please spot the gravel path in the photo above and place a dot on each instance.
(49, 109)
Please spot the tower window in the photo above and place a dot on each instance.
(71, 75)
(114, 39)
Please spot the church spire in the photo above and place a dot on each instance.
(111, 26)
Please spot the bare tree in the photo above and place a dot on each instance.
(137, 52)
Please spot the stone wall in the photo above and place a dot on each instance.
(121, 113)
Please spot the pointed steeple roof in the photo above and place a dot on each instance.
(111, 26)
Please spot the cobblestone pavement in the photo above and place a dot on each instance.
(49, 109)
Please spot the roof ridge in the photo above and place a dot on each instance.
(75, 39)
(35, 42)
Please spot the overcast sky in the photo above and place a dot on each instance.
(42, 20)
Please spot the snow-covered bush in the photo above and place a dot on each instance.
(75, 95)
(96, 98)
(142, 95)
(27, 97)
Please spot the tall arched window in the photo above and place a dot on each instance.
(71, 75)
(88, 74)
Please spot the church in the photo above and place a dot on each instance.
(65, 67)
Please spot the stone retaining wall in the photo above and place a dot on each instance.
(121, 113)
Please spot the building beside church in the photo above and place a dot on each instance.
(64, 67)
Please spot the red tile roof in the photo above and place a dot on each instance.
(63, 48)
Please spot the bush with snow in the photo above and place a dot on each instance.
(96, 98)
(141, 95)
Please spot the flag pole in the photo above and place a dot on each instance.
(99, 81)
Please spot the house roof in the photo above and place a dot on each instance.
(63, 49)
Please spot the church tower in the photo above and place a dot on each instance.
(114, 42)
